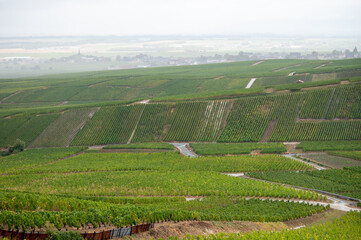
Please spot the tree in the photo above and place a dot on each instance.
(18, 146)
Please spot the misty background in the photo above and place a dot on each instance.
(164, 17)
(48, 36)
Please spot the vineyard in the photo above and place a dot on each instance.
(27, 128)
(152, 123)
(61, 131)
(197, 121)
(346, 182)
(330, 146)
(168, 161)
(315, 115)
(32, 211)
(109, 125)
(35, 157)
(139, 178)
(236, 148)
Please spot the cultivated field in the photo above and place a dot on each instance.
(98, 162)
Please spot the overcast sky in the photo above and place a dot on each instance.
(187, 17)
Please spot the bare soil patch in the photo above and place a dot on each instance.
(280, 69)
(268, 90)
(181, 229)
(283, 91)
(324, 76)
(344, 82)
(319, 87)
(291, 147)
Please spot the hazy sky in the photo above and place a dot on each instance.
(188, 17)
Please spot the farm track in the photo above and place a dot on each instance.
(249, 85)
(6, 98)
(184, 149)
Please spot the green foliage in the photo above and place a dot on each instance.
(236, 148)
(109, 125)
(165, 146)
(353, 155)
(148, 183)
(18, 146)
(168, 162)
(26, 128)
(197, 121)
(34, 157)
(151, 125)
(34, 210)
(61, 131)
(344, 182)
(330, 146)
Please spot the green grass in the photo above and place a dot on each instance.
(235, 148)
(165, 146)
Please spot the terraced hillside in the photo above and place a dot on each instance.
(332, 113)
(114, 191)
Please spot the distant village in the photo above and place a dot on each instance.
(144, 60)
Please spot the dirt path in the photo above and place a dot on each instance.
(6, 98)
(256, 63)
(218, 77)
(251, 82)
(269, 130)
(322, 65)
